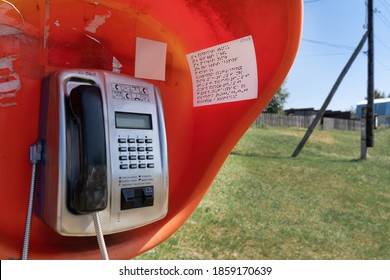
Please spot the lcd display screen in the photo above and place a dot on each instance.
(133, 120)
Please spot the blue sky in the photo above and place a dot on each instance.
(331, 31)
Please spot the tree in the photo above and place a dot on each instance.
(379, 94)
(276, 105)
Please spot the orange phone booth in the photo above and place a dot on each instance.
(216, 65)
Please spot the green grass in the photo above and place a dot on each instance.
(324, 204)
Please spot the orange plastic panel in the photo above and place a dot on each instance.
(38, 37)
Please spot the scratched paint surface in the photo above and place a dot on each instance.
(10, 82)
(38, 37)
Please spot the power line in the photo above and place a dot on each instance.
(383, 43)
(388, 10)
(383, 65)
(386, 5)
(324, 54)
(384, 20)
(384, 11)
(382, 17)
(328, 44)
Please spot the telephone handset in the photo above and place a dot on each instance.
(104, 150)
(87, 187)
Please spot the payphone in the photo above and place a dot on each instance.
(104, 150)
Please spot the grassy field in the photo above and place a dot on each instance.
(324, 204)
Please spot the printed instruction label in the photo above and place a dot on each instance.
(129, 92)
(224, 73)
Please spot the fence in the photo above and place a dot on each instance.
(384, 121)
(305, 121)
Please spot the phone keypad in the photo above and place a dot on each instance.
(135, 153)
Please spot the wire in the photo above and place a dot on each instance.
(311, 1)
(386, 5)
(383, 43)
(99, 235)
(384, 20)
(324, 54)
(35, 157)
(383, 65)
(27, 230)
(328, 44)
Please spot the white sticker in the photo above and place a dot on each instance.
(224, 73)
(150, 59)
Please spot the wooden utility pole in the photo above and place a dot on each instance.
(370, 82)
(330, 96)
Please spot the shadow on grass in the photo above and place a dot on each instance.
(316, 158)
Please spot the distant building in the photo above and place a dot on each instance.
(381, 109)
(300, 112)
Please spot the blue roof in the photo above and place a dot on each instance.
(376, 101)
